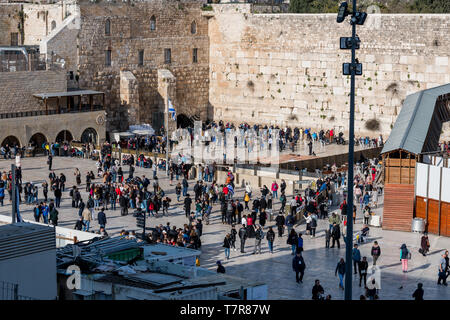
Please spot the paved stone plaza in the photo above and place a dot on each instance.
(274, 269)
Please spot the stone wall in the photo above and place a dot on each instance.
(130, 33)
(9, 21)
(287, 68)
(17, 89)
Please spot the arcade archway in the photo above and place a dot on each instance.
(63, 136)
(89, 135)
(11, 141)
(37, 141)
(184, 121)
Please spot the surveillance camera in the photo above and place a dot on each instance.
(343, 12)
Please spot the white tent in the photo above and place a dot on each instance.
(118, 135)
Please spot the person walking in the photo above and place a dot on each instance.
(404, 256)
(298, 265)
(233, 234)
(243, 237)
(187, 205)
(87, 218)
(356, 257)
(443, 267)
(418, 293)
(424, 245)
(227, 245)
(279, 221)
(102, 219)
(292, 240)
(49, 162)
(363, 266)
(336, 235)
(375, 252)
(270, 239)
(300, 242)
(259, 235)
(54, 216)
(340, 269)
(327, 238)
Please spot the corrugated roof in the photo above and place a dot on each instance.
(419, 123)
(66, 94)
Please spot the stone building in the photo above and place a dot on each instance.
(118, 48)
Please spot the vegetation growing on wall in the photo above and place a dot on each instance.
(386, 6)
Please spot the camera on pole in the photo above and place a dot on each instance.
(346, 43)
(347, 69)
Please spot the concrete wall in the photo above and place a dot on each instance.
(287, 68)
(17, 89)
(24, 128)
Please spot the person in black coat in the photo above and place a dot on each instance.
(317, 290)
(293, 241)
(280, 220)
(340, 268)
(220, 267)
(336, 235)
(102, 219)
(233, 234)
(418, 294)
(187, 205)
(243, 236)
(79, 224)
(50, 161)
(298, 265)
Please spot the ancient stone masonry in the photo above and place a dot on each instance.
(9, 22)
(130, 33)
(287, 68)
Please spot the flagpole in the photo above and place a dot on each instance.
(166, 124)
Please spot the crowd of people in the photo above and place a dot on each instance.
(109, 189)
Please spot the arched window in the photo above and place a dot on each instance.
(108, 27)
(152, 23)
(53, 24)
(193, 27)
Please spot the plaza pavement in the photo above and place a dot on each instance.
(274, 269)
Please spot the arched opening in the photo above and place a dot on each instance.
(53, 24)
(184, 121)
(152, 23)
(193, 27)
(64, 136)
(108, 27)
(11, 141)
(37, 141)
(89, 136)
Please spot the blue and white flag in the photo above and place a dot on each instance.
(172, 111)
(230, 189)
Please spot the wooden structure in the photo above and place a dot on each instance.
(432, 195)
(399, 167)
(416, 132)
(398, 175)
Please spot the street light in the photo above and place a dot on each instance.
(354, 68)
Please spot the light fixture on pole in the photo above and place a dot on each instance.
(353, 69)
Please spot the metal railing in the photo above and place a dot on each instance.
(10, 291)
(84, 108)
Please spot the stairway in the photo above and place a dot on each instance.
(398, 210)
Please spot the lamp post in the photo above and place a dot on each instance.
(354, 68)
